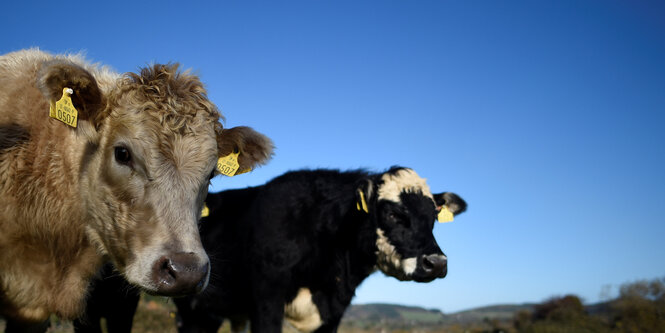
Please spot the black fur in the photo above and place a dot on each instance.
(300, 230)
(113, 298)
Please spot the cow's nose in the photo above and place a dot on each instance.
(435, 265)
(180, 274)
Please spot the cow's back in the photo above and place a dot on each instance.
(308, 201)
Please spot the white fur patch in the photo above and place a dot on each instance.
(302, 313)
(409, 265)
(390, 262)
(405, 180)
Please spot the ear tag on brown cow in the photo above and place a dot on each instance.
(63, 109)
(228, 165)
(445, 215)
(240, 172)
(205, 211)
(362, 204)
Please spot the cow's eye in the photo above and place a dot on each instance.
(122, 155)
(399, 219)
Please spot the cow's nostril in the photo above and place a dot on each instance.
(167, 268)
(164, 271)
(434, 265)
(428, 265)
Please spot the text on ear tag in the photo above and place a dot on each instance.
(63, 109)
(445, 215)
(362, 202)
(205, 211)
(228, 165)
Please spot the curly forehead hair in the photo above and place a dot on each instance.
(177, 99)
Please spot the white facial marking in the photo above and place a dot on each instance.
(409, 265)
(390, 262)
(302, 313)
(388, 259)
(405, 180)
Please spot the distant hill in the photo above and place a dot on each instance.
(393, 313)
(496, 312)
(369, 317)
(405, 317)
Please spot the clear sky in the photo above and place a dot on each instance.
(546, 116)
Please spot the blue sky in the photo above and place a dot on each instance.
(547, 117)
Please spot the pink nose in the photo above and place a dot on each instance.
(180, 274)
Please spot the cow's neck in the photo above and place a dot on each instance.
(358, 249)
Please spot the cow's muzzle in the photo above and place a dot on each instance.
(180, 274)
(433, 266)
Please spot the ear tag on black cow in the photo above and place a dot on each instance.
(445, 215)
(205, 211)
(228, 165)
(362, 202)
(63, 109)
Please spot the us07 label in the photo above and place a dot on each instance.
(228, 165)
(64, 110)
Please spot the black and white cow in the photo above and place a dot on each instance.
(298, 247)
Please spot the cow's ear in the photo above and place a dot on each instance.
(254, 148)
(55, 75)
(455, 204)
(364, 194)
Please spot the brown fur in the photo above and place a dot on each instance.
(60, 73)
(67, 204)
(254, 148)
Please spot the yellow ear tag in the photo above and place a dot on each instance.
(445, 215)
(63, 109)
(240, 172)
(205, 211)
(228, 165)
(362, 202)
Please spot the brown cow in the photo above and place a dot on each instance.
(126, 184)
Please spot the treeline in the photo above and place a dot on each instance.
(640, 307)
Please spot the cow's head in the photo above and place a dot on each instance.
(152, 143)
(404, 210)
